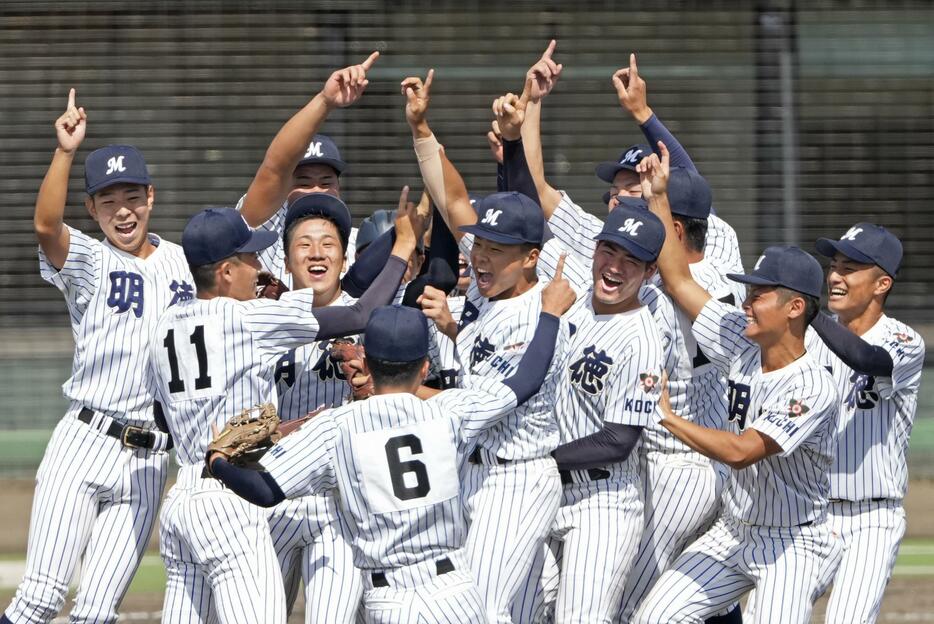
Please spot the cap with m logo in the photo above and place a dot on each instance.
(635, 229)
(866, 243)
(509, 218)
(114, 164)
(323, 150)
(628, 160)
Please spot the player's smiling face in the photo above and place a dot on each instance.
(122, 212)
(851, 285)
(316, 178)
(767, 314)
(499, 268)
(240, 274)
(625, 183)
(315, 258)
(617, 277)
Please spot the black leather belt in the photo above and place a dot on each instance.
(865, 500)
(442, 566)
(476, 457)
(594, 474)
(130, 436)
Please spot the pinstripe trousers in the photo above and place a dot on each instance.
(219, 560)
(510, 508)
(94, 499)
(580, 573)
(871, 532)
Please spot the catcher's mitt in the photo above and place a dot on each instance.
(269, 287)
(247, 435)
(349, 356)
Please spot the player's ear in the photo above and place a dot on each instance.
(89, 205)
(531, 259)
(423, 373)
(150, 195)
(796, 307)
(883, 284)
(679, 229)
(650, 269)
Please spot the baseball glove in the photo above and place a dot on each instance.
(269, 287)
(349, 356)
(247, 435)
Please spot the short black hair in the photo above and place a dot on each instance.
(695, 231)
(204, 275)
(811, 303)
(389, 373)
(287, 235)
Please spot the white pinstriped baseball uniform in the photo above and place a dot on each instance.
(309, 536)
(773, 534)
(869, 475)
(211, 359)
(395, 460)
(506, 531)
(612, 374)
(96, 498)
(680, 488)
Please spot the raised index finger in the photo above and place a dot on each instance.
(550, 49)
(403, 199)
(71, 98)
(368, 63)
(428, 80)
(633, 69)
(559, 269)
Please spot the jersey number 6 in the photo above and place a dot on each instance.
(398, 468)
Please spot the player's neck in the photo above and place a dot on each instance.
(861, 321)
(692, 255)
(524, 285)
(782, 352)
(142, 252)
(616, 308)
(326, 298)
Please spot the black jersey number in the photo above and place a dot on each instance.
(398, 468)
(203, 380)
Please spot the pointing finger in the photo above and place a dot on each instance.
(403, 198)
(368, 63)
(71, 99)
(550, 49)
(559, 269)
(428, 80)
(633, 69)
(665, 156)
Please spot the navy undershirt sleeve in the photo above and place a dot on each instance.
(253, 486)
(500, 178)
(337, 321)
(440, 268)
(366, 268)
(516, 170)
(610, 445)
(655, 131)
(855, 352)
(532, 368)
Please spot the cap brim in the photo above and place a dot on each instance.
(829, 247)
(338, 165)
(120, 180)
(607, 171)
(497, 237)
(755, 280)
(258, 241)
(637, 251)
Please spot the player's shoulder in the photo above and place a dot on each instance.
(899, 335)
(720, 225)
(811, 378)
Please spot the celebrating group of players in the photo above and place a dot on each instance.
(580, 419)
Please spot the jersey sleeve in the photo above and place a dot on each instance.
(719, 332)
(477, 405)
(907, 350)
(302, 462)
(722, 246)
(465, 244)
(575, 229)
(635, 386)
(283, 324)
(78, 278)
(797, 415)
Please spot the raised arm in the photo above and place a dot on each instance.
(273, 180)
(672, 261)
(49, 219)
(441, 178)
(631, 90)
(509, 111)
(539, 81)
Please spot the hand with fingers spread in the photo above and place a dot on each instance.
(434, 304)
(71, 126)
(653, 173)
(630, 88)
(543, 75)
(558, 296)
(495, 138)
(345, 86)
(509, 111)
(417, 96)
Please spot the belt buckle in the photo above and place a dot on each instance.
(129, 430)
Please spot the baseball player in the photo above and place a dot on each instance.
(101, 479)
(772, 535)
(395, 458)
(300, 160)
(876, 363)
(511, 484)
(210, 358)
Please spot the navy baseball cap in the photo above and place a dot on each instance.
(114, 164)
(689, 194)
(509, 218)
(475, 199)
(396, 334)
(867, 243)
(319, 205)
(635, 229)
(606, 171)
(786, 266)
(323, 150)
(217, 233)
